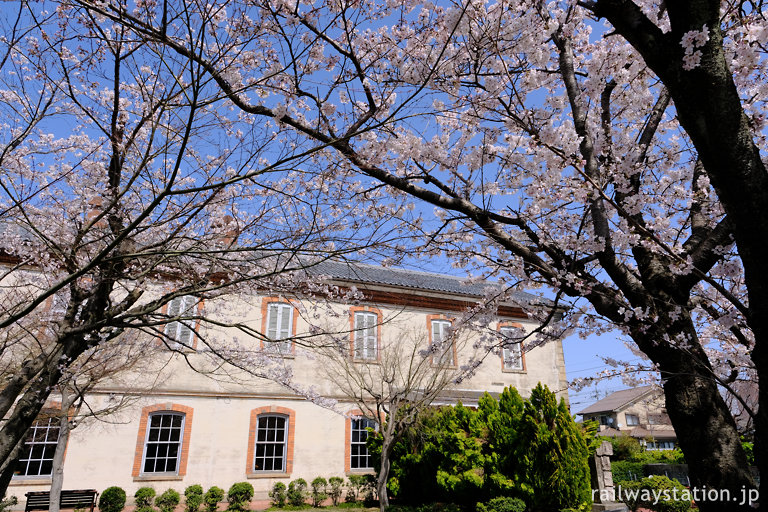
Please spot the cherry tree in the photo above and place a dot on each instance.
(132, 200)
(617, 163)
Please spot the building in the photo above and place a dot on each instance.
(193, 427)
(637, 412)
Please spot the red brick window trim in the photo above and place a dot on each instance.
(443, 319)
(290, 425)
(141, 438)
(280, 327)
(365, 328)
(505, 353)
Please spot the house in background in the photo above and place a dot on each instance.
(637, 412)
(192, 429)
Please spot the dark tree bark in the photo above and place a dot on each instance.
(710, 111)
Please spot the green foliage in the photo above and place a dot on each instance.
(658, 493)
(334, 492)
(297, 492)
(8, 503)
(168, 500)
(624, 447)
(112, 499)
(319, 495)
(278, 494)
(239, 496)
(625, 471)
(355, 488)
(194, 497)
(212, 498)
(749, 450)
(529, 449)
(502, 505)
(144, 497)
(659, 457)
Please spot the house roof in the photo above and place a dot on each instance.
(618, 400)
(413, 279)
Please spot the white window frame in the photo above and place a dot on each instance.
(39, 439)
(358, 426)
(263, 432)
(511, 351)
(445, 355)
(279, 327)
(366, 339)
(635, 419)
(160, 441)
(182, 332)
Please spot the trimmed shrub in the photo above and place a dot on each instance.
(212, 498)
(112, 499)
(278, 494)
(144, 497)
(168, 500)
(194, 497)
(8, 502)
(502, 505)
(318, 491)
(239, 496)
(625, 471)
(355, 488)
(335, 491)
(297, 492)
(644, 493)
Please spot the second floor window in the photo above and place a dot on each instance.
(365, 335)
(632, 420)
(162, 447)
(442, 343)
(181, 331)
(279, 327)
(511, 351)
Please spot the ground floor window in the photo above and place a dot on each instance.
(36, 458)
(162, 449)
(271, 439)
(359, 458)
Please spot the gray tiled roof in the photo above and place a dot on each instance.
(402, 278)
(617, 400)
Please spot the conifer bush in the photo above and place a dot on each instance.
(239, 496)
(168, 500)
(194, 497)
(212, 498)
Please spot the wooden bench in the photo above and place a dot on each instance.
(41, 500)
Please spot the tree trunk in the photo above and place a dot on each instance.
(57, 475)
(7, 473)
(386, 451)
(704, 425)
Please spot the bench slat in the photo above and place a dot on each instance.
(40, 500)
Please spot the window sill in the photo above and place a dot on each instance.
(267, 475)
(367, 471)
(159, 478)
(365, 361)
(30, 480)
(510, 370)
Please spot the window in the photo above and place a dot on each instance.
(365, 335)
(162, 449)
(36, 458)
(359, 458)
(181, 331)
(632, 420)
(279, 327)
(511, 351)
(271, 444)
(442, 343)
(660, 445)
